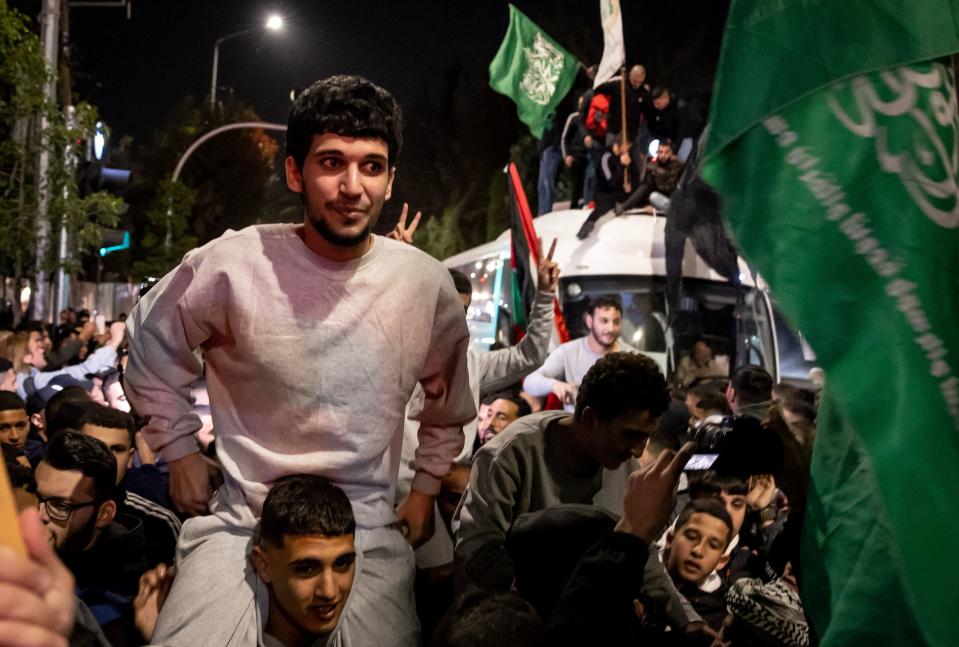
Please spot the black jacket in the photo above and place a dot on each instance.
(636, 102)
(663, 124)
(108, 575)
(596, 607)
(573, 134)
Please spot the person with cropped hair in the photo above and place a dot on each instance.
(552, 458)
(77, 498)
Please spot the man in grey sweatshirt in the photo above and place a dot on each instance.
(552, 458)
(313, 338)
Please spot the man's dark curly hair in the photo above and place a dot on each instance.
(620, 383)
(71, 451)
(344, 105)
(304, 504)
(604, 301)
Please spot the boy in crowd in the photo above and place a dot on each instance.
(14, 422)
(161, 527)
(304, 557)
(695, 550)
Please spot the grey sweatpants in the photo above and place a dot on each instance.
(217, 600)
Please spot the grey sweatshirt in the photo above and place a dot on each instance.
(309, 363)
(568, 362)
(510, 477)
(489, 372)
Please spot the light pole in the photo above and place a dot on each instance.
(273, 23)
(168, 240)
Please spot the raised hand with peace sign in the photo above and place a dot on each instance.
(401, 232)
(548, 269)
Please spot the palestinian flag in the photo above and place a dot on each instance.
(524, 251)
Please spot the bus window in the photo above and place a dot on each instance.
(707, 311)
(489, 316)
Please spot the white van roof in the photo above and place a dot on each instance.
(631, 244)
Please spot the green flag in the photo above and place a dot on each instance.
(532, 70)
(833, 142)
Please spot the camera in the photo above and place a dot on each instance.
(736, 446)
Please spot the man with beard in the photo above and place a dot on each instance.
(313, 338)
(563, 371)
(76, 493)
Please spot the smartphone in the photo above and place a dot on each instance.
(101, 323)
(699, 462)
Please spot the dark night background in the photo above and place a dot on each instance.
(432, 55)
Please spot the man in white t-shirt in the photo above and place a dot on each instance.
(563, 371)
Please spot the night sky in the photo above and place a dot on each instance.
(136, 71)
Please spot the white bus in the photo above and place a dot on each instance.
(626, 256)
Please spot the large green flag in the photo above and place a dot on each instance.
(833, 142)
(532, 70)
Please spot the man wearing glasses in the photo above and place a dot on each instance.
(76, 494)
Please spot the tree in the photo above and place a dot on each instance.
(23, 108)
(228, 183)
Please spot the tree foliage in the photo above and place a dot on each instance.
(227, 183)
(29, 124)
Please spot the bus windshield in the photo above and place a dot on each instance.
(708, 311)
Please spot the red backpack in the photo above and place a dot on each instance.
(596, 116)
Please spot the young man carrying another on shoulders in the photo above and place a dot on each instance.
(313, 338)
(304, 556)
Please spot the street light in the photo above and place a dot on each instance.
(274, 22)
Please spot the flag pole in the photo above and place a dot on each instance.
(622, 111)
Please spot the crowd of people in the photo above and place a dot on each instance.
(373, 479)
(613, 170)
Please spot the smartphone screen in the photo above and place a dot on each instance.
(701, 462)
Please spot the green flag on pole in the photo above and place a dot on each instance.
(532, 70)
(833, 142)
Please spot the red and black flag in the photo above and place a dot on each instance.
(525, 251)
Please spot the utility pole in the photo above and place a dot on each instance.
(49, 27)
(66, 94)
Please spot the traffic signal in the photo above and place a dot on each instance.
(114, 240)
(94, 176)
